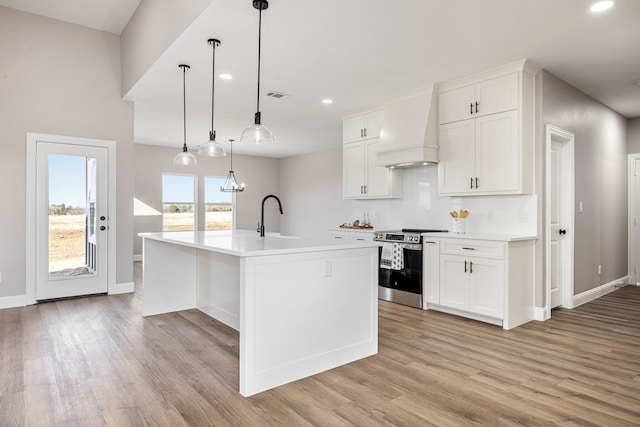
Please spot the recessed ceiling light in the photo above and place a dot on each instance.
(327, 101)
(225, 76)
(601, 5)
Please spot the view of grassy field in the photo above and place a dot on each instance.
(66, 242)
(67, 235)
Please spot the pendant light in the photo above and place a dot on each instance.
(230, 184)
(256, 133)
(184, 158)
(211, 148)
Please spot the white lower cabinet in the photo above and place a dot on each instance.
(473, 284)
(486, 280)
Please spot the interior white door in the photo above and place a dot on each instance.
(71, 220)
(560, 199)
(636, 202)
(555, 222)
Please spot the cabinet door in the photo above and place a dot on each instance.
(373, 124)
(498, 153)
(431, 271)
(455, 104)
(486, 287)
(497, 95)
(339, 235)
(454, 282)
(457, 157)
(353, 170)
(378, 178)
(353, 129)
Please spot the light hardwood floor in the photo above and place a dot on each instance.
(96, 361)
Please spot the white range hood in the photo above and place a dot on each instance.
(409, 135)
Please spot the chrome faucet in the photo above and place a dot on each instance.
(261, 223)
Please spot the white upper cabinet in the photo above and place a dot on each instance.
(475, 100)
(362, 127)
(362, 178)
(486, 133)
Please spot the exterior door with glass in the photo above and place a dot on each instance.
(71, 220)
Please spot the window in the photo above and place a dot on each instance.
(218, 206)
(178, 202)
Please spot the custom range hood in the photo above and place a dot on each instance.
(409, 135)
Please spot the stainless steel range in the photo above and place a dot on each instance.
(400, 265)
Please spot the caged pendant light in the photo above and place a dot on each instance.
(211, 148)
(256, 133)
(230, 184)
(184, 158)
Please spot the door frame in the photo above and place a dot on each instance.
(31, 243)
(554, 133)
(631, 244)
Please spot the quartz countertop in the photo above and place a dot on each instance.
(246, 243)
(481, 236)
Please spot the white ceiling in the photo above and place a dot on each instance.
(361, 53)
(105, 15)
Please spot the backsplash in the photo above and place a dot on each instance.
(421, 207)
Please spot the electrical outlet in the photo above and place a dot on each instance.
(0, 277)
(522, 216)
(326, 268)
(580, 207)
(490, 216)
(599, 269)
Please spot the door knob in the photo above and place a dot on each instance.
(562, 231)
(102, 218)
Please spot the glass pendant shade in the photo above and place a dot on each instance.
(212, 148)
(184, 158)
(257, 134)
(231, 184)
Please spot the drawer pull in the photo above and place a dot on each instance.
(469, 249)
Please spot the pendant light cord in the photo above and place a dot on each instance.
(213, 79)
(259, 51)
(231, 152)
(184, 107)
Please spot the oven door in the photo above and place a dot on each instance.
(403, 286)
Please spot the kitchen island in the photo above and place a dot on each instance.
(301, 306)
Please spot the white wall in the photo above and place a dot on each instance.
(633, 136)
(62, 79)
(150, 31)
(311, 193)
(260, 174)
(311, 186)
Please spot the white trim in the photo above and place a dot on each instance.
(121, 288)
(568, 212)
(32, 139)
(541, 313)
(137, 257)
(631, 243)
(13, 301)
(601, 290)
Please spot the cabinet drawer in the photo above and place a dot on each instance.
(475, 248)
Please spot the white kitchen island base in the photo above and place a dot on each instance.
(301, 307)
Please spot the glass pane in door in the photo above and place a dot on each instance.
(72, 210)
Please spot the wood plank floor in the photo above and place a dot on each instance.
(96, 361)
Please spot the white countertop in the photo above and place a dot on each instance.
(354, 230)
(481, 236)
(246, 243)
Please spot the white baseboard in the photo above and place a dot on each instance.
(541, 314)
(13, 301)
(122, 288)
(137, 257)
(601, 290)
